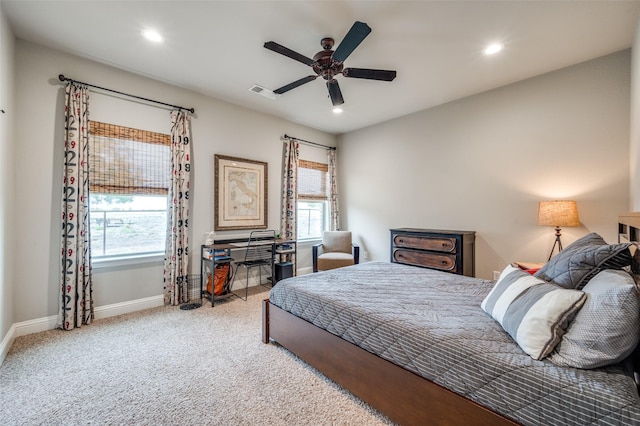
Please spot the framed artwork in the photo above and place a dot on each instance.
(240, 193)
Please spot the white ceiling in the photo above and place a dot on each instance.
(216, 47)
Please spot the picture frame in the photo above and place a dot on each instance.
(241, 195)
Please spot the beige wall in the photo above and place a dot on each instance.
(217, 128)
(7, 181)
(634, 145)
(482, 164)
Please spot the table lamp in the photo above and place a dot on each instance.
(558, 213)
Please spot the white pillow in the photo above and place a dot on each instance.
(534, 312)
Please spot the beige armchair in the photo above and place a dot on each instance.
(335, 251)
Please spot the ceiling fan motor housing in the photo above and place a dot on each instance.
(325, 66)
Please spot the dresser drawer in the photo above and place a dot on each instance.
(443, 244)
(441, 261)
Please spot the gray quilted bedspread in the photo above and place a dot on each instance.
(431, 323)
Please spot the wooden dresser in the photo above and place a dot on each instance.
(450, 251)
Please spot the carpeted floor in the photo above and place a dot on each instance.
(167, 366)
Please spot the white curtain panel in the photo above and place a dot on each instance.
(334, 213)
(288, 220)
(76, 291)
(176, 262)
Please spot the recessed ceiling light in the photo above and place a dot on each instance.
(152, 36)
(337, 110)
(493, 48)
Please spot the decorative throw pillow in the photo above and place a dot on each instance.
(583, 259)
(534, 313)
(607, 328)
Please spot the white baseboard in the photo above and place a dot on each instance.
(49, 323)
(35, 325)
(7, 342)
(304, 271)
(128, 307)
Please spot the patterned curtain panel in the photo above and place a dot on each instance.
(288, 228)
(176, 262)
(76, 291)
(334, 213)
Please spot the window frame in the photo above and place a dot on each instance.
(314, 198)
(129, 136)
(325, 219)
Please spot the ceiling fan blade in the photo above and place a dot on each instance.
(295, 84)
(383, 75)
(278, 48)
(358, 32)
(334, 92)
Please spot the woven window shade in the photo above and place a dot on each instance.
(123, 160)
(312, 180)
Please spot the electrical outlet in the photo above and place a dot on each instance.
(496, 275)
(366, 255)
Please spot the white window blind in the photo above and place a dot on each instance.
(312, 180)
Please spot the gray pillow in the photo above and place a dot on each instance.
(607, 328)
(577, 264)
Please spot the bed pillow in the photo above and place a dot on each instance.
(534, 313)
(583, 259)
(607, 328)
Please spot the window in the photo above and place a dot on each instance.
(129, 177)
(313, 209)
(311, 219)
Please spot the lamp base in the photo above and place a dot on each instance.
(557, 242)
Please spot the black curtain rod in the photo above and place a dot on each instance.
(61, 77)
(309, 142)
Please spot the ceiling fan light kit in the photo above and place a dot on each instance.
(329, 63)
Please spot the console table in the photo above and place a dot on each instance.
(283, 263)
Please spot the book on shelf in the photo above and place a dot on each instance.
(219, 259)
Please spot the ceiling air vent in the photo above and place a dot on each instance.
(263, 91)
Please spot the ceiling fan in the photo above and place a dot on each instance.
(328, 63)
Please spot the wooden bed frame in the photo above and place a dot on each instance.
(401, 395)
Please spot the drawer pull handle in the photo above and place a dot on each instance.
(401, 240)
(444, 262)
(444, 244)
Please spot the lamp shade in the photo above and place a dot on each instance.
(558, 213)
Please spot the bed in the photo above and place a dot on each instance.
(415, 344)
